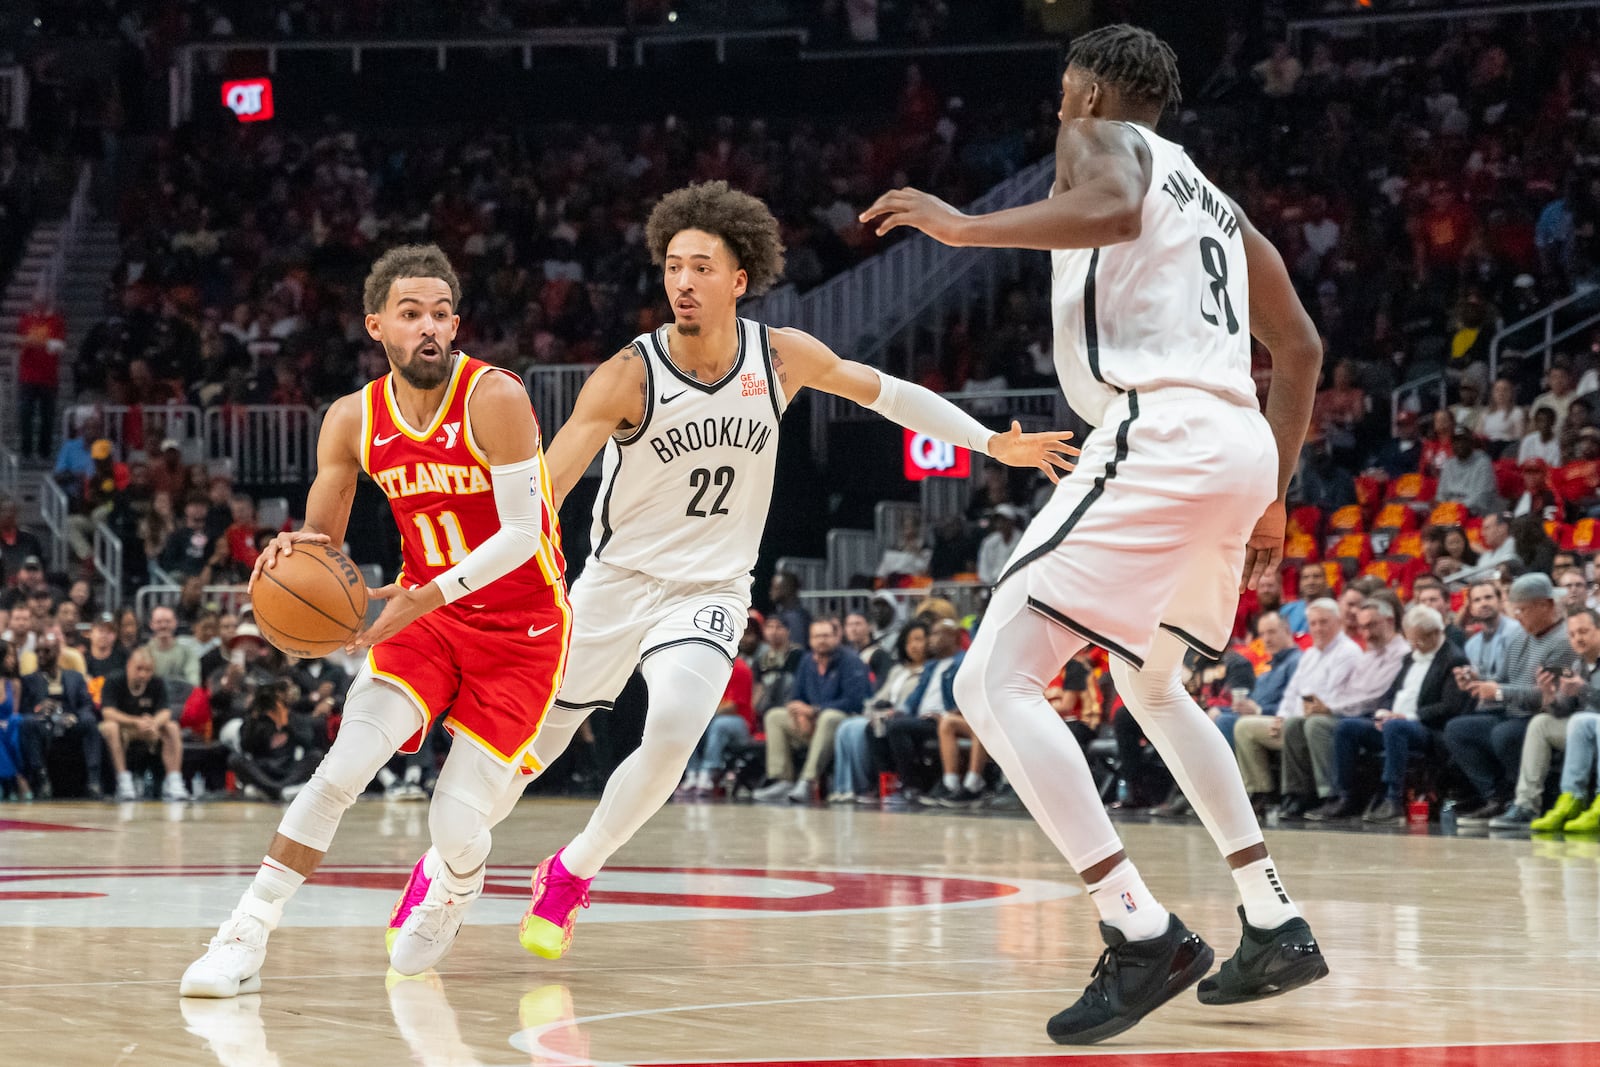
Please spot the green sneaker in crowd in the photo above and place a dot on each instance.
(1566, 807)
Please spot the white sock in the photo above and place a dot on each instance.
(973, 783)
(413, 775)
(1126, 904)
(175, 776)
(275, 882)
(386, 777)
(952, 782)
(124, 776)
(1266, 904)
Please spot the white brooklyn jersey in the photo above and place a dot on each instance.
(1170, 307)
(684, 496)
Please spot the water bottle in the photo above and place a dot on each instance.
(149, 788)
(1124, 793)
(197, 787)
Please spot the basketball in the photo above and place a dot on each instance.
(311, 603)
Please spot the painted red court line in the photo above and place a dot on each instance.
(46, 827)
(1585, 1054)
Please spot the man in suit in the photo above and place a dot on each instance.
(57, 710)
(1410, 718)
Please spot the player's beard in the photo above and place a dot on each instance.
(690, 330)
(415, 372)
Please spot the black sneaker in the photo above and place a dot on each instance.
(1268, 963)
(961, 798)
(941, 797)
(1480, 815)
(1132, 979)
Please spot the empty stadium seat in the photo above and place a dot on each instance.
(1448, 513)
(1412, 487)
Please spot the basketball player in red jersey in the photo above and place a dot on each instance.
(482, 571)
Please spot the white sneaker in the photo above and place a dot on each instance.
(801, 793)
(776, 791)
(429, 931)
(174, 789)
(289, 792)
(845, 797)
(232, 963)
(125, 787)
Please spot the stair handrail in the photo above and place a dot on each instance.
(53, 509)
(1552, 337)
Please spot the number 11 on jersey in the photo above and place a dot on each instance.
(454, 539)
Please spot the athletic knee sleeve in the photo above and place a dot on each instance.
(377, 720)
(686, 686)
(470, 788)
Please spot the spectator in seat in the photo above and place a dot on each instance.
(830, 685)
(1264, 697)
(13, 782)
(188, 549)
(858, 635)
(1560, 394)
(784, 591)
(1496, 535)
(1410, 719)
(1075, 698)
(1325, 667)
(1542, 442)
(175, 659)
(1430, 591)
(57, 711)
(104, 657)
(215, 657)
(1313, 585)
(934, 695)
(1567, 684)
(17, 545)
(1439, 445)
(1467, 475)
(1310, 747)
(134, 709)
(319, 681)
(1504, 423)
(1005, 531)
(909, 558)
(1458, 548)
(1487, 743)
(733, 724)
(1535, 551)
(885, 613)
(1402, 454)
(1351, 602)
(241, 531)
(1538, 498)
(860, 747)
(72, 459)
(1574, 588)
(279, 751)
(776, 664)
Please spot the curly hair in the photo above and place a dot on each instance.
(1135, 60)
(743, 223)
(407, 261)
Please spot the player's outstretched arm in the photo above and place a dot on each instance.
(801, 360)
(613, 398)
(517, 477)
(332, 490)
(1103, 171)
(1279, 321)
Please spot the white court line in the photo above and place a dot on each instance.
(530, 1041)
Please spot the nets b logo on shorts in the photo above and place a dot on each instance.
(718, 622)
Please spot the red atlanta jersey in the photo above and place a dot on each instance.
(437, 482)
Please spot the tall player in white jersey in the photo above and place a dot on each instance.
(1159, 282)
(688, 418)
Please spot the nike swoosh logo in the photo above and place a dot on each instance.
(674, 396)
(464, 584)
(535, 633)
(378, 441)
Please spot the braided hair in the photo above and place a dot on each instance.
(1136, 61)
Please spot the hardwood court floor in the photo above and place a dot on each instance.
(782, 936)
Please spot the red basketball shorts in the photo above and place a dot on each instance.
(493, 673)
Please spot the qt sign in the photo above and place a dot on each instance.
(250, 100)
(926, 457)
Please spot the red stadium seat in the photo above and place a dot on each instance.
(1507, 478)
(1381, 569)
(1583, 537)
(1306, 520)
(1300, 548)
(1369, 491)
(1346, 520)
(1407, 545)
(1354, 549)
(1474, 532)
(1449, 513)
(1412, 487)
(1393, 518)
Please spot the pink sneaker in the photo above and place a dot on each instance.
(557, 896)
(416, 889)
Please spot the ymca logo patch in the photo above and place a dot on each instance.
(752, 385)
(718, 622)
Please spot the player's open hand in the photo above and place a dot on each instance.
(920, 211)
(282, 545)
(401, 608)
(1048, 452)
(1264, 551)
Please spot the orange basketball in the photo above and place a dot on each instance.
(312, 602)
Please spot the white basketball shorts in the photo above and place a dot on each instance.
(1149, 530)
(621, 617)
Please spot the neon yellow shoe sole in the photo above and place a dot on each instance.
(544, 938)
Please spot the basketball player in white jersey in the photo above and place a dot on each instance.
(688, 418)
(1159, 282)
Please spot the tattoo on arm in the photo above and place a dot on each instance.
(777, 365)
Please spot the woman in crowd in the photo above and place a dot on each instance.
(855, 762)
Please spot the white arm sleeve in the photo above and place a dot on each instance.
(927, 412)
(521, 506)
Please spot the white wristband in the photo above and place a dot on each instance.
(927, 412)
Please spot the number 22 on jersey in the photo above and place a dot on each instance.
(454, 540)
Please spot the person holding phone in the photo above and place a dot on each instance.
(1567, 684)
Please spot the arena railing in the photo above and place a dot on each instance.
(966, 596)
(53, 509)
(108, 564)
(10, 473)
(263, 443)
(131, 427)
(1358, 20)
(553, 390)
(229, 598)
(48, 287)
